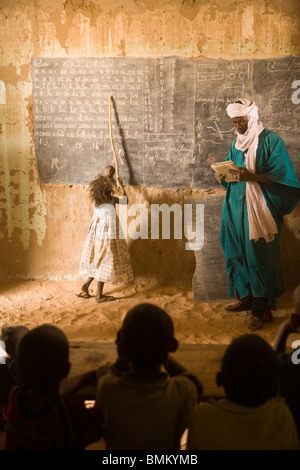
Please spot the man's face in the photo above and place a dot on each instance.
(240, 123)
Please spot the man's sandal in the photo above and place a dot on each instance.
(238, 306)
(255, 324)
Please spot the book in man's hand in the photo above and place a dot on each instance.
(225, 168)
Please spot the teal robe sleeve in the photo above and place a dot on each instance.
(274, 162)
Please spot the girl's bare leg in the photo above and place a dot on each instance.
(86, 285)
(99, 294)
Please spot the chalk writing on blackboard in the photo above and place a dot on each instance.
(169, 119)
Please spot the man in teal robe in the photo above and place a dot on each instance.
(264, 189)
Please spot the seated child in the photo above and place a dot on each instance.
(86, 383)
(289, 362)
(37, 417)
(145, 408)
(9, 375)
(251, 416)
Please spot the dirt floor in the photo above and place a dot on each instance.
(34, 302)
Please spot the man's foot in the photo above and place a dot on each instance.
(105, 298)
(238, 306)
(256, 323)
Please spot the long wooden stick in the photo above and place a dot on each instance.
(112, 141)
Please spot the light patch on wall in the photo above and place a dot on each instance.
(82, 37)
(2, 93)
(247, 22)
(22, 199)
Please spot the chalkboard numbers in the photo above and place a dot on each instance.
(161, 87)
(79, 145)
(95, 146)
(172, 93)
(44, 142)
(148, 108)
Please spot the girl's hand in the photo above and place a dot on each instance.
(109, 171)
(120, 185)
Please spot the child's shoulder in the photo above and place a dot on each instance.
(190, 382)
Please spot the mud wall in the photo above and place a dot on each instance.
(42, 226)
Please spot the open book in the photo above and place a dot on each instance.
(225, 168)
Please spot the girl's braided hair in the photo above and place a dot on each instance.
(101, 190)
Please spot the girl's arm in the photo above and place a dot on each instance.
(121, 191)
(120, 185)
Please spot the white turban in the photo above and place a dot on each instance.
(247, 108)
(261, 221)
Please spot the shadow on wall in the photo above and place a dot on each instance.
(290, 249)
(162, 262)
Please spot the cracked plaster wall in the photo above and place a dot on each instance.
(42, 227)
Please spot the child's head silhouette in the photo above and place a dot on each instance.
(249, 372)
(43, 357)
(147, 335)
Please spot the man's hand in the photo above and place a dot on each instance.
(219, 177)
(246, 175)
(243, 175)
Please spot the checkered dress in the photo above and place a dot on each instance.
(105, 256)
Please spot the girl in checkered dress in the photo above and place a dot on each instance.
(105, 256)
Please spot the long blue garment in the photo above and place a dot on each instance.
(253, 268)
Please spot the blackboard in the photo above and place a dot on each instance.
(169, 115)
